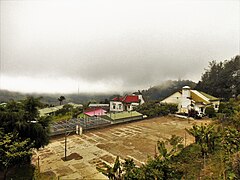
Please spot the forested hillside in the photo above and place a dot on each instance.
(165, 89)
(52, 99)
(154, 93)
(222, 79)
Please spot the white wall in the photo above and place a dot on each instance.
(141, 99)
(132, 105)
(216, 105)
(173, 99)
(116, 106)
(185, 101)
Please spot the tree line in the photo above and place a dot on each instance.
(221, 79)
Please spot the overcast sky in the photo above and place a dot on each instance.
(112, 45)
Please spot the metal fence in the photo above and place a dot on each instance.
(62, 127)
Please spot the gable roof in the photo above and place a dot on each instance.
(127, 99)
(210, 97)
(197, 96)
(130, 99)
(45, 111)
(94, 112)
(98, 105)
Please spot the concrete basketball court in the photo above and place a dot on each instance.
(136, 140)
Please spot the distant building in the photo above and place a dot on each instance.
(188, 99)
(126, 103)
(103, 106)
(75, 105)
(49, 111)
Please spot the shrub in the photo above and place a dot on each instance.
(153, 109)
(210, 112)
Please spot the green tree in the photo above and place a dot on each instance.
(154, 109)
(236, 165)
(159, 167)
(222, 79)
(229, 112)
(210, 112)
(13, 151)
(206, 137)
(113, 173)
(131, 172)
(23, 118)
(61, 99)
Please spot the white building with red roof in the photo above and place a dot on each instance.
(126, 103)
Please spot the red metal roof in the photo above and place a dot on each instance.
(127, 99)
(130, 99)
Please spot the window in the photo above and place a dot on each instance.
(216, 106)
(120, 106)
(114, 106)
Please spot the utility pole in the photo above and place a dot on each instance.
(66, 134)
(185, 139)
(38, 164)
(65, 146)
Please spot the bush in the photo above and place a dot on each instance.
(210, 112)
(153, 109)
(236, 165)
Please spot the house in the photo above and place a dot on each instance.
(49, 111)
(103, 106)
(126, 103)
(188, 100)
(94, 112)
(74, 105)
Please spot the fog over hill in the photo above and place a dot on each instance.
(157, 92)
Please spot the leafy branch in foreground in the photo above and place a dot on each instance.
(158, 167)
(13, 151)
(113, 173)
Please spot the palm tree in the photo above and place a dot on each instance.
(113, 173)
(205, 136)
(60, 99)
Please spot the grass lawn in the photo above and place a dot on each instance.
(62, 118)
(124, 115)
